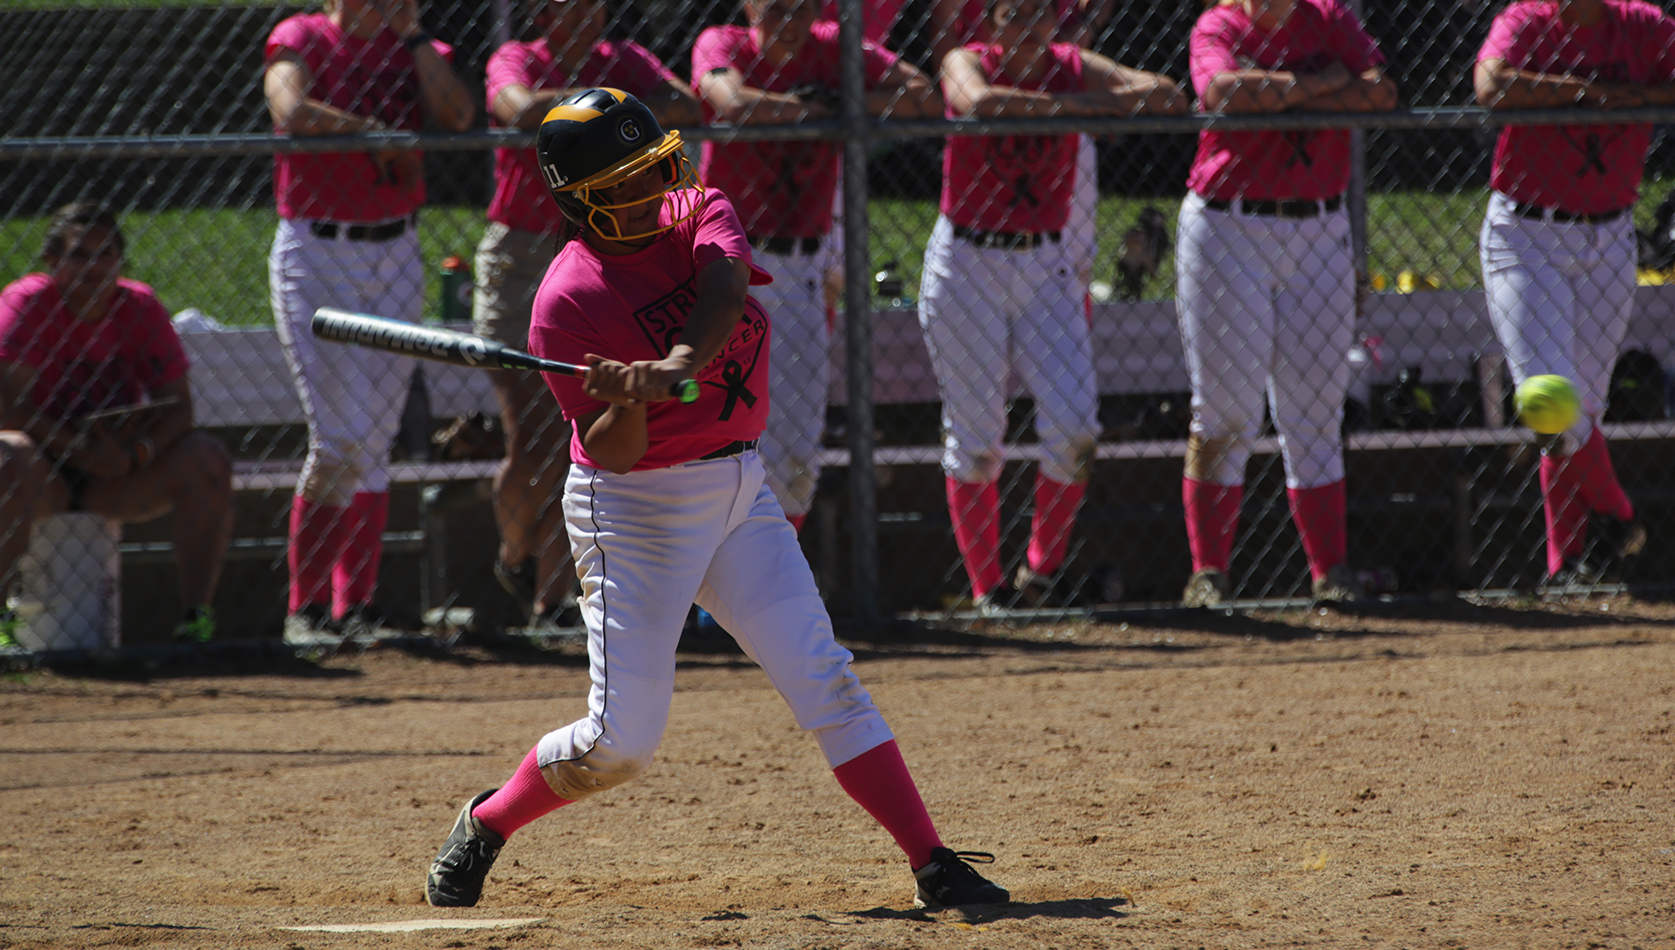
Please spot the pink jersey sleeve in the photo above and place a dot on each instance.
(1356, 48)
(162, 357)
(294, 34)
(17, 341)
(1507, 37)
(718, 234)
(1663, 44)
(717, 48)
(1211, 49)
(511, 65)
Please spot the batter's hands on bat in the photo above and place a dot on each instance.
(632, 383)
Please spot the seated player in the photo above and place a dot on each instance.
(79, 339)
(667, 502)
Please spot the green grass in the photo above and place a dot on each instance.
(217, 260)
(7, 6)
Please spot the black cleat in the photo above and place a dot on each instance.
(948, 881)
(457, 874)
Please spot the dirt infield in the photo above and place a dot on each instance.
(1448, 776)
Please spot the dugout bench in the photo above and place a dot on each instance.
(1430, 486)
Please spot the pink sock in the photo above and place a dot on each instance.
(525, 797)
(878, 779)
(1597, 478)
(797, 521)
(1318, 513)
(1056, 504)
(317, 534)
(1212, 522)
(355, 575)
(1565, 513)
(975, 510)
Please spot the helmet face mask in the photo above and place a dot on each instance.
(596, 139)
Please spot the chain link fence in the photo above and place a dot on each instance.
(1044, 319)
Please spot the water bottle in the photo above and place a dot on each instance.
(456, 290)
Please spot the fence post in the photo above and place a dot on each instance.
(1357, 197)
(857, 293)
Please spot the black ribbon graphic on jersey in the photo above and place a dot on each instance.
(1592, 160)
(1023, 191)
(733, 378)
(1299, 142)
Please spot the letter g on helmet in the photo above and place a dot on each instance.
(601, 137)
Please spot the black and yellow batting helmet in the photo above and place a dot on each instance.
(598, 138)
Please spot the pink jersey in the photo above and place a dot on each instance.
(781, 189)
(634, 307)
(521, 199)
(80, 366)
(1266, 165)
(1585, 169)
(1013, 182)
(373, 77)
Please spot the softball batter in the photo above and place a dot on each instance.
(1266, 286)
(348, 238)
(1000, 289)
(666, 502)
(1558, 241)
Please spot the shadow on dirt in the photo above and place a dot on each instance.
(1095, 908)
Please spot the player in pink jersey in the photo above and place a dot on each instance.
(80, 339)
(348, 238)
(667, 502)
(782, 68)
(1558, 242)
(569, 51)
(1000, 290)
(1266, 281)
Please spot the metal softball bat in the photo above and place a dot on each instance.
(447, 346)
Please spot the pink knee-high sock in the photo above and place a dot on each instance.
(878, 779)
(1598, 479)
(1056, 504)
(975, 510)
(525, 797)
(1212, 522)
(1564, 510)
(1318, 513)
(317, 536)
(355, 575)
(797, 521)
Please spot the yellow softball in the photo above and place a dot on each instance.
(1547, 404)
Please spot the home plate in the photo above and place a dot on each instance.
(408, 926)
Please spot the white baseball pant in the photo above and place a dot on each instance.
(352, 396)
(647, 545)
(799, 377)
(988, 310)
(1267, 307)
(1560, 297)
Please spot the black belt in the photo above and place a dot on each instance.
(1009, 240)
(1285, 208)
(729, 450)
(784, 246)
(359, 232)
(1539, 213)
